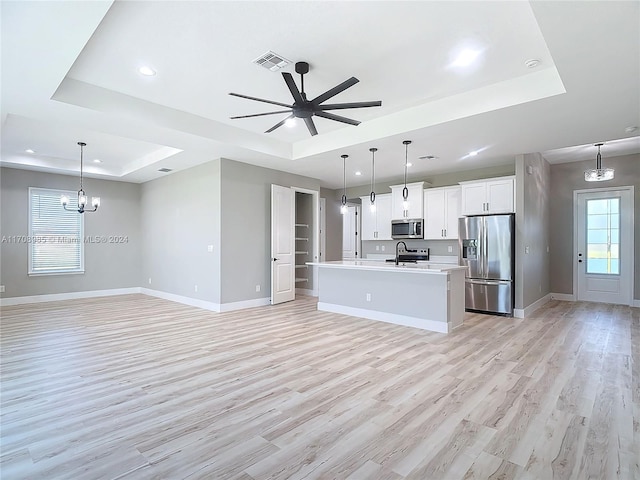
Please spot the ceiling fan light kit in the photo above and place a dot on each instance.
(306, 109)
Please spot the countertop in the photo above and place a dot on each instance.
(377, 265)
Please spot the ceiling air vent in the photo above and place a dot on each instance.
(165, 170)
(428, 157)
(272, 61)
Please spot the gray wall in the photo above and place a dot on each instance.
(333, 226)
(107, 265)
(246, 227)
(180, 218)
(532, 229)
(567, 177)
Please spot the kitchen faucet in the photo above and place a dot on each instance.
(397, 245)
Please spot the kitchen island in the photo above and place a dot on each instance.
(421, 295)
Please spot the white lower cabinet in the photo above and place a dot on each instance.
(376, 225)
(441, 213)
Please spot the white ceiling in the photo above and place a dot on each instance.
(69, 74)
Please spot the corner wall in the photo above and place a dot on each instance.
(567, 177)
(107, 265)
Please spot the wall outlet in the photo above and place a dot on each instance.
(257, 288)
(209, 248)
(368, 297)
(377, 248)
(450, 249)
(547, 248)
(526, 249)
(382, 247)
(195, 287)
(1, 288)
(149, 280)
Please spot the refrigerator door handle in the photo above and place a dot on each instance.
(488, 282)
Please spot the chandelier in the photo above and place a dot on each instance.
(598, 174)
(82, 197)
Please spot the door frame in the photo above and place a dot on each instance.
(315, 230)
(576, 247)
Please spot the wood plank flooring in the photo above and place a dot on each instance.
(135, 387)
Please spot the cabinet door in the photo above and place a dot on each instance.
(500, 196)
(383, 211)
(434, 213)
(368, 227)
(474, 198)
(452, 213)
(414, 199)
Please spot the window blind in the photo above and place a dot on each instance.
(56, 243)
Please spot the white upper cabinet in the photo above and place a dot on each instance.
(415, 200)
(376, 225)
(494, 195)
(441, 212)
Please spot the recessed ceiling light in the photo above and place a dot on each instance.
(465, 58)
(28, 150)
(532, 63)
(291, 122)
(147, 71)
(97, 160)
(358, 173)
(473, 154)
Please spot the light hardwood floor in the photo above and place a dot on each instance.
(135, 387)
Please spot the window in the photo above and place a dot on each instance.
(603, 236)
(55, 235)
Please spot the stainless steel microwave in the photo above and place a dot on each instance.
(407, 228)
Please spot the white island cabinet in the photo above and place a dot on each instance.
(426, 296)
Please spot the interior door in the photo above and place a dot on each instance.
(282, 244)
(604, 252)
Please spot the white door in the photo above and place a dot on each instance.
(350, 233)
(604, 251)
(282, 244)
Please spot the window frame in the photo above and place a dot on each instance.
(30, 267)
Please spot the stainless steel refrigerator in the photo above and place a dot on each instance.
(487, 249)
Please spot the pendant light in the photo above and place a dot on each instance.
(405, 190)
(598, 174)
(372, 195)
(82, 197)
(343, 205)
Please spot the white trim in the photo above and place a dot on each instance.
(56, 297)
(193, 302)
(306, 291)
(565, 297)
(256, 302)
(422, 323)
(523, 313)
(636, 303)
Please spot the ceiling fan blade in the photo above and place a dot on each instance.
(293, 88)
(340, 106)
(335, 90)
(261, 114)
(261, 100)
(279, 124)
(337, 118)
(311, 126)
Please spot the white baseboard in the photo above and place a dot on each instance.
(565, 297)
(636, 303)
(256, 302)
(424, 324)
(525, 312)
(193, 302)
(56, 297)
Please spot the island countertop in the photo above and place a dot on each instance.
(377, 265)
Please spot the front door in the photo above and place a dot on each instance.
(604, 239)
(282, 244)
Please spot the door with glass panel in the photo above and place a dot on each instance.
(604, 245)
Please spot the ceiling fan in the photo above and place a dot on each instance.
(305, 109)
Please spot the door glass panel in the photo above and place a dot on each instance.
(603, 233)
